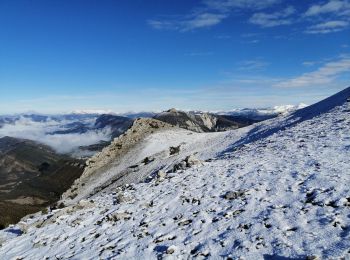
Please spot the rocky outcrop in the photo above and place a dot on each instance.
(198, 122)
(188, 162)
(112, 155)
(140, 129)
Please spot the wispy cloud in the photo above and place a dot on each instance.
(203, 20)
(309, 63)
(196, 54)
(251, 38)
(257, 64)
(228, 5)
(326, 74)
(327, 27)
(210, 13)
(337, 7)
(223, 37)
(188, 22)
(327, 17)
(283, 17)
(332, 16)
(250, 35)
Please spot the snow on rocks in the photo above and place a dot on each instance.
(232, 195)
(284, 195)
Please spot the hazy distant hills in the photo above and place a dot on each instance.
(260, 114)
(117, 125)
(36, 164)
(82, 133)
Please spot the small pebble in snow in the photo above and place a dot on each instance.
(170, 250)
(185, 222)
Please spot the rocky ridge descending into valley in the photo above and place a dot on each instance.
(112, 155)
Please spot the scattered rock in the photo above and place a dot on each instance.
(161, 174)
(170, 250)
(119, 216)
(180, 166)
(147, 160)
(134, 166)
(235, 213)
(232, 195)
(122, 198)
(188, 162)
(174, 149)
(185, 222)
(178, 217)
(242, 227)
(192, 160)
(312, 257)
(196, 249)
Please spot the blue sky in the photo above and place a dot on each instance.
(133, 55)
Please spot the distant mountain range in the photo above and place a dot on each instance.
(37, 164)
(260, 114)
(82, 133)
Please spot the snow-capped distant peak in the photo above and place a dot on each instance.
(287, 108)
(263, 113)
(92, 111)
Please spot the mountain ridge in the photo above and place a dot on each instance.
(268, 198)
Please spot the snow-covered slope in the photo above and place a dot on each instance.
(280, 189)
(142, 151)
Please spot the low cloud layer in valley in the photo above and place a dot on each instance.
(44, 132)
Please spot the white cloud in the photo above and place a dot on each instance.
(250, 35)
(257, 64)
(282, 17)
(227, 5)
(331, 16)
(197, 54)
(92, 111)
(223, 37)
(163, 25)
(326, 74)
(327, 27)
(188, 23)
(334, 16)
(336, 7)
(211, 13)
(203, 20)
(309, 63)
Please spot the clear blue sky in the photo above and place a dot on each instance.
(133, 55)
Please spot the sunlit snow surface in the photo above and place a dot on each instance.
(292, 178)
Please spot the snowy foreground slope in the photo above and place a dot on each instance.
(280, 190)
